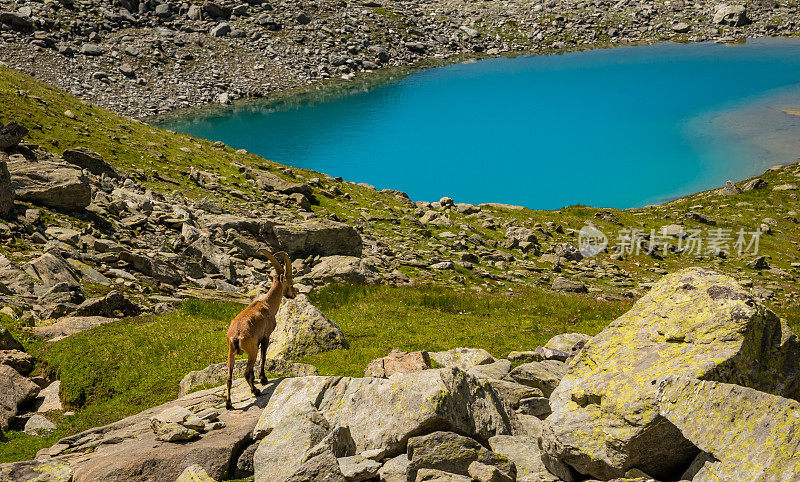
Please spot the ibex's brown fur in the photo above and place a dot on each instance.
(252, 327)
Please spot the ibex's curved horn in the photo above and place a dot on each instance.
(272, 259)
(287, 266)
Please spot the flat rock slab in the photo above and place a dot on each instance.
(128, 449)
(754, 435)
(70, 325)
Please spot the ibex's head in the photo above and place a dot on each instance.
(283, 274)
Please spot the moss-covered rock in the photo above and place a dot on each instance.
(36, 471)
(754, 435)
(694, 323)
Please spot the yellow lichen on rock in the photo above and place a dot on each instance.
(754, 436)
(695, 323)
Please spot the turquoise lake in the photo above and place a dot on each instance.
(621, 127)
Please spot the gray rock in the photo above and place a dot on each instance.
(544, 375)
(220, 30)
(433, 475)
(481, 472)
(50, 184)
(11, 134)
(112, 304)
(16, 359)
(322, 467)
(285, 448)
(567, 285)
(453, 453)
(33, 470)
(51, 269)
(15, 390)
(194, 473)
(464, 358)
(93, 162)
(318, 237)
(7, 340)
(397, 469)
(48, 398)
(496, 370)
(358, 468)
(70, 325)
(6, 190)
(344, 269)
(38, 425)
(216, 10)
(733, 15)
(754, 184)
(92, 50)
(524, 452)
(730, 189)
(303, 330)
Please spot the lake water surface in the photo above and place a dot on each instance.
(619, 127)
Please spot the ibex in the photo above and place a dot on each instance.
(252, 327)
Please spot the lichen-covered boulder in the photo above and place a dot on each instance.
(453, 453)
(754, 436)
(303, 330)
(383, 414)
(35, 470)
(194, 473)
(695, 323)
(464, 358)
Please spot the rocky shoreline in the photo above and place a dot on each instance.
(143, 58)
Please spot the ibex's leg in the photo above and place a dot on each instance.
(249, 376)
(231, 364)
(264, 345)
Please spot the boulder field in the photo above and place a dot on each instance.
(696, 382)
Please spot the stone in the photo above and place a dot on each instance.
(496, 370)
(50, 184)
(759, 263)
(164, 423)
(753, 435)
(37, 470)
(785, 187)
(113, 304)
(694, 322)
(285, 448)
(6, 190)
(244, 465)
(433, 475)
(194, 473)
(464, 358)
(11, 134)
(397, 469)
(567, 285)
(344, 269)
(161, 270)
(15, 390)
(511, 394)
(18, 360)
(303, 330)
(481, 472)
(754, 184)
(7, 340)
(322, 467)
(544, 375)
(217, 374)
(408, 402)
(521, 234)
(318, 237)
(216, 10)
(567, 342)
(536, 406)
(358, 468)
(38, 425)
(220, 30)
(524, 452)
(49, 399)
(681, 27)
(51, 269)
(733, 15)
(129, 450)
(69, 325)
(92, 50)
(730, 189)
(88, 159)
(398, 361)
(450, 452)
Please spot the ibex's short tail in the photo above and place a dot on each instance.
(236, 346)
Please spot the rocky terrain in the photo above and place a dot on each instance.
(698, 381)
(144, 57)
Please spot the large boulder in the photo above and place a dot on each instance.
(753, 435)
(544, 375)
(51, 184)
(525, 453)
(733, 15)
(695, 323)
(93, 162)
(51, 269)
(129, 449)
(70, 325)
(383, 414)
(343, 269)
(113, 304)
(303, 330)
(35, 470)
(15, 390)
(318, 237)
